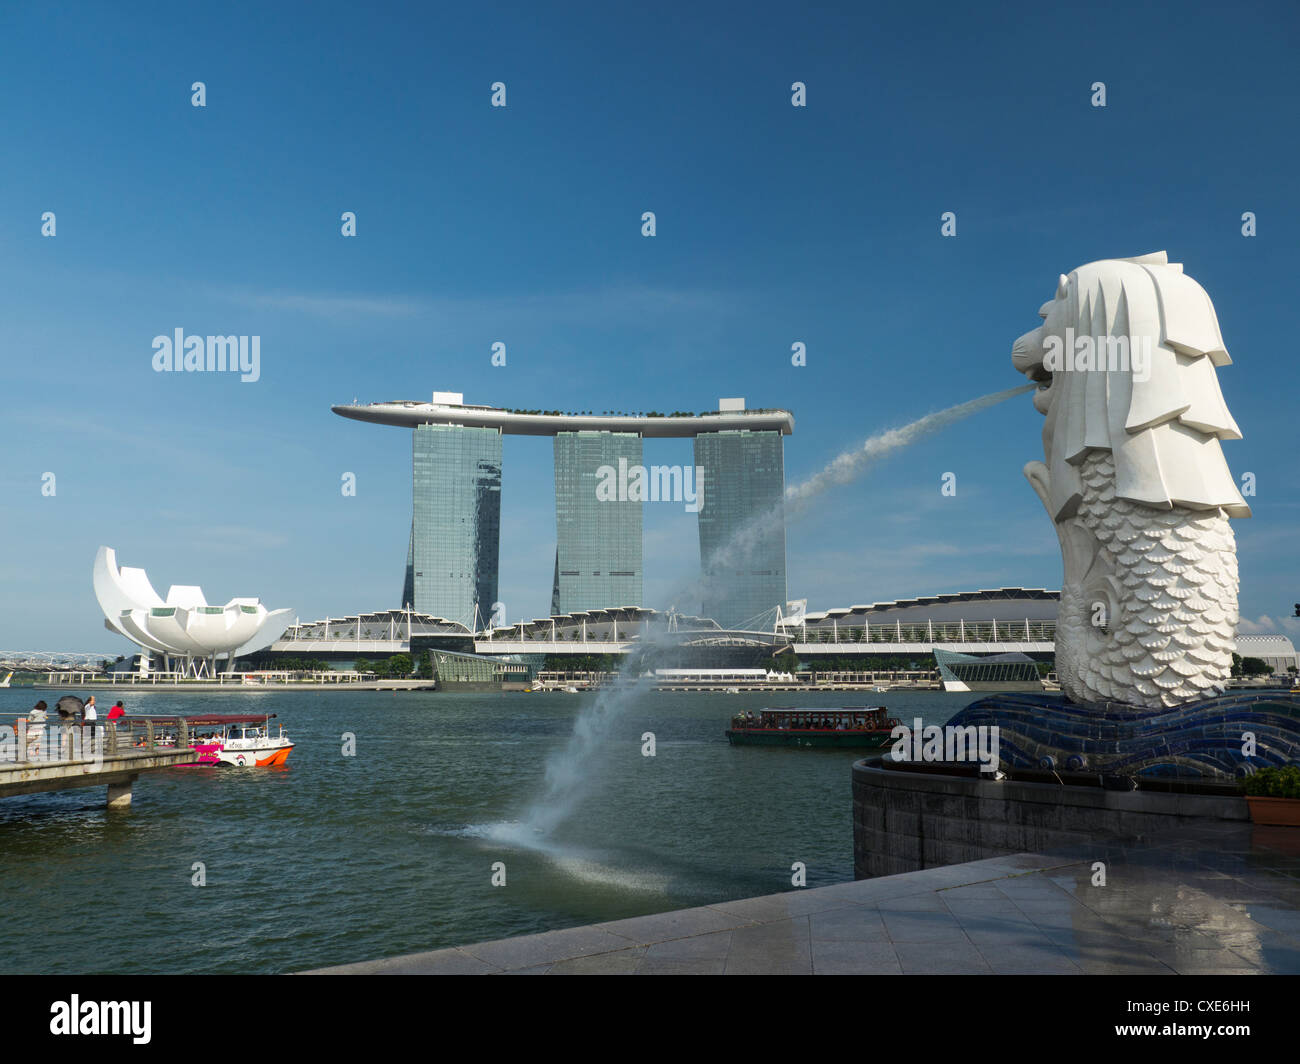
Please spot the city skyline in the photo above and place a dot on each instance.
(798, 258)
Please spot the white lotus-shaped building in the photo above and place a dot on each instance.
(183, 625)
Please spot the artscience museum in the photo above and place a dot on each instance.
(181, 633)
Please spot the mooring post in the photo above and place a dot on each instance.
(148, 731)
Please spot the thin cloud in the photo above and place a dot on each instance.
(334, 305)
(613, 303)
(1266, 625)
(234, 539)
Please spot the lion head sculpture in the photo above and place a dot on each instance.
(1135, 481)
(1126, 359)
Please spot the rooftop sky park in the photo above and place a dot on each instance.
(452, 560)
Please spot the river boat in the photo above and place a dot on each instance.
(231, 740)
(849, 728)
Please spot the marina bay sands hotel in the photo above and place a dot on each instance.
(601, 485)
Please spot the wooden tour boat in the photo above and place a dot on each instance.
(850, 728)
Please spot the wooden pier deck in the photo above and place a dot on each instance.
(66, 757)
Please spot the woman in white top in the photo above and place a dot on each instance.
(35, 728)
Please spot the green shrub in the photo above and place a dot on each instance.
(1274, 782)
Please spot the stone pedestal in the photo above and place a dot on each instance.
(904, 820)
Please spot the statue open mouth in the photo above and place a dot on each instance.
(1027, 357)
(1044, 378)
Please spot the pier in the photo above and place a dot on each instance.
(60, 757)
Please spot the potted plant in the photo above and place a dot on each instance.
(1274, 796)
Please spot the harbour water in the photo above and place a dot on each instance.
(338, 858)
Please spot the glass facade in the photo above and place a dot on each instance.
(456, 522)
(452, 668)
(598, 562)
(408, 584)
(996, 672)
(742, 524)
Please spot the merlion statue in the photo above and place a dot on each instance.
(1136, 483)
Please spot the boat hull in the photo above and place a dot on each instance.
(256, 756)
(211, 755)
(841, 740)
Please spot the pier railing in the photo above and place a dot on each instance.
(23, 740)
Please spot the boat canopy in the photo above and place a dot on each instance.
(845, 711)
(207, 719)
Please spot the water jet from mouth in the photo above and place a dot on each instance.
(567, 774)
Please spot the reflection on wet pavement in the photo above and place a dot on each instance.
(1216, 899)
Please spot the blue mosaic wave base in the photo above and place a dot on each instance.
(1198, 739)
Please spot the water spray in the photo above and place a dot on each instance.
(843, 469)
(567, 775)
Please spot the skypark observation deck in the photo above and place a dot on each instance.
(410, 413)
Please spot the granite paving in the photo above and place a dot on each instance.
(1218, 899)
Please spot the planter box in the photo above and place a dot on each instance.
(1279, 812)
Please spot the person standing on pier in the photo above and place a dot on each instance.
(89, 716)
(35, 728)
(114, 716)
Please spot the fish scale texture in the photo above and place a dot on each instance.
(1172, 607)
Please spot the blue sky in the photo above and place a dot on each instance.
(522, 225)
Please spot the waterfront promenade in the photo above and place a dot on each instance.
(1222, 899)
(237, 682)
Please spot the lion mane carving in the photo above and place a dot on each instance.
(1136, 483)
